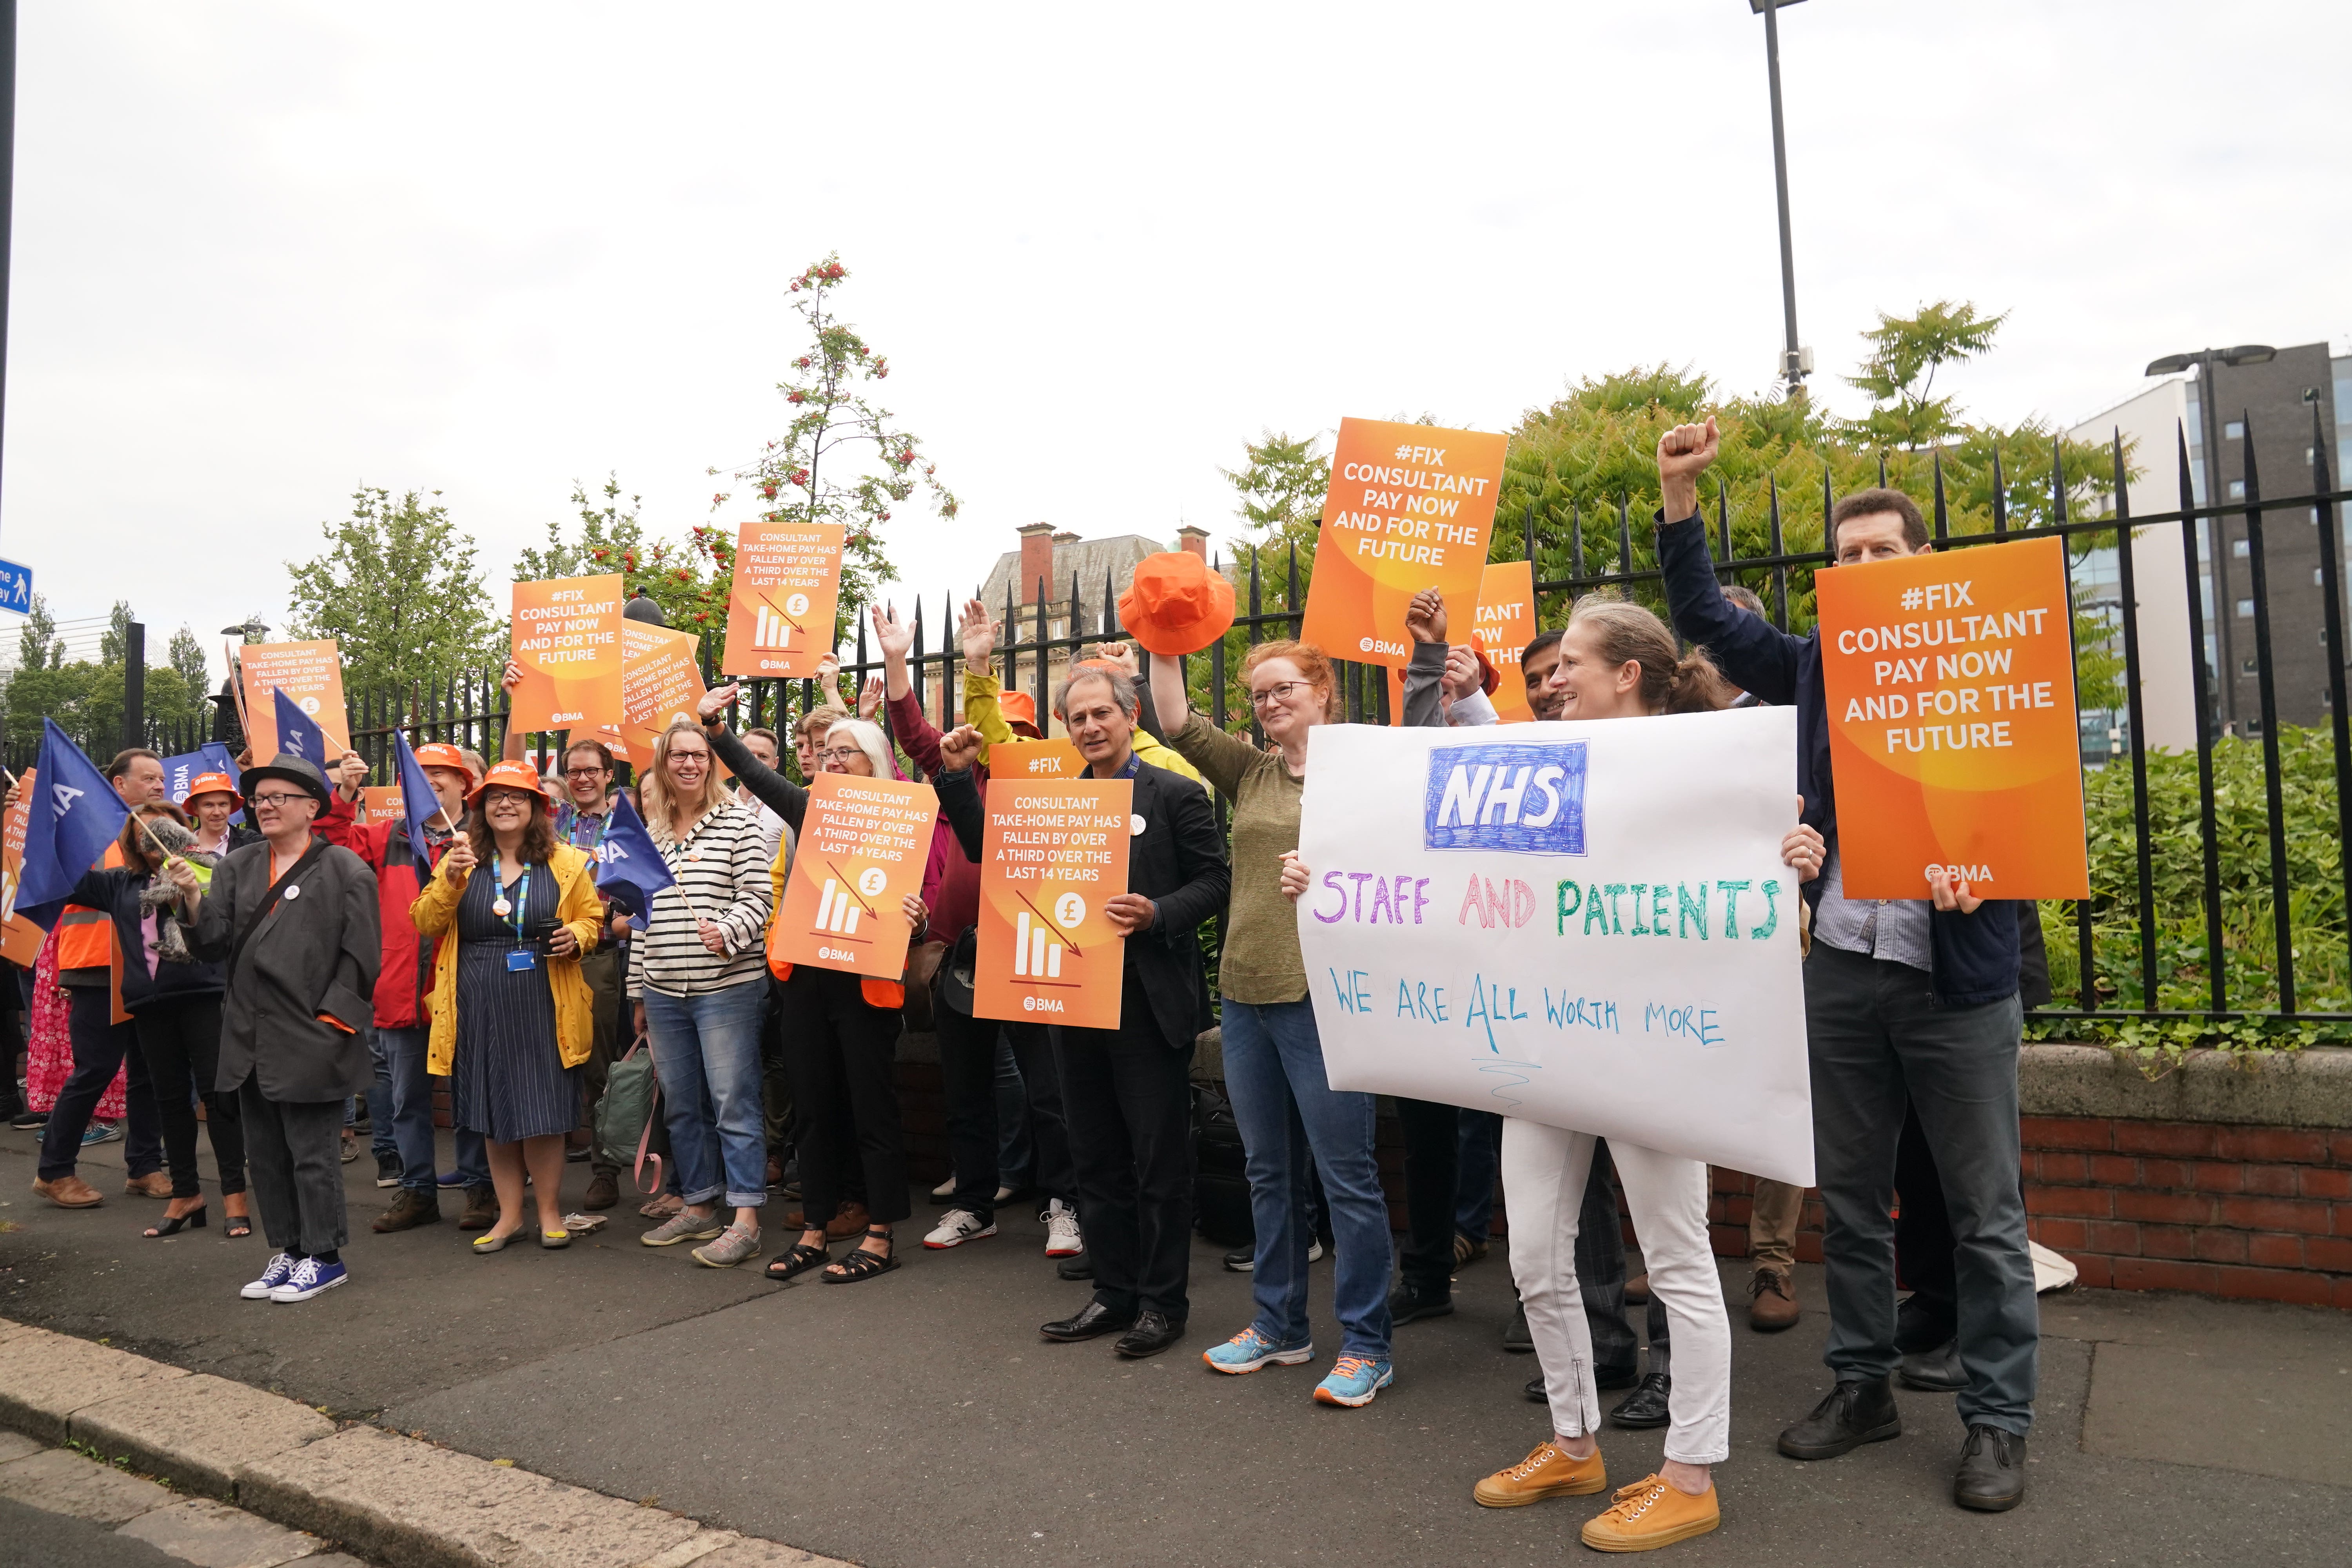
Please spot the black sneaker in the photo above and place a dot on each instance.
(1855, 1411)
(29, 1120)
(1241, 1259)
(387, 1170)
(1405, 1304)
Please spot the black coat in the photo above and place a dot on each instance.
(115, 890)
(1178, 861)
(313, 956)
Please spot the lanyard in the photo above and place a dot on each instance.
(512, 910)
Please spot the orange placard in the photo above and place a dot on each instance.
(383, 803)
(1055, 854)
(567, 638)
(862, 845)
(1505, 623)
(1055, 759)
(787, 586)
(1950, 681)
(1410, 506)
(20, 938)
(659, 683)
(312, 673)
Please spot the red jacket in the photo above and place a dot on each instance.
(407, 971)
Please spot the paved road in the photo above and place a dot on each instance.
(916, 1420)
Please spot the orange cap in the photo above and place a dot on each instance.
(214, 783)
(1489, 677)
(510, 775)
(1176, 605)
(1020, 710)
(441, 755)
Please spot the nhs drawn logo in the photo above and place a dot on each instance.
(1522, 799)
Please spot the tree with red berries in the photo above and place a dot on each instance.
(691, 581)
(842, 458)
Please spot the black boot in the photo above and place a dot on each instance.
(1646, 1405)
(1938, 1370)
(1857, 1412)
(1992, 1477)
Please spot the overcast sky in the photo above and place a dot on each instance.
(268, 252)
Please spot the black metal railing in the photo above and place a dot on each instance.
(1059, 623)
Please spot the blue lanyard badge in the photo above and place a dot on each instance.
(512, 910)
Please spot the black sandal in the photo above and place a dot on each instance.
(859, 1264)
(236, 1226)
(797, 1262)
(192, 1220)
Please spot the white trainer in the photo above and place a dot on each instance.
(956, 1227)
(1062, 1238)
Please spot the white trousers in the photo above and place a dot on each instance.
(1544, 1172)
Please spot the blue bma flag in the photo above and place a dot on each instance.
(417, 796)
(299, 734)
(73, 815)
(629, 870)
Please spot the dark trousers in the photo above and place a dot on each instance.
(100, 1046)
(1923, 1244)
(180, 1041)
(843, 1053)
(968, 1081)
(1128, 1095)
(602, 971)
(296, 1148)
(1600, 1276)
(1874, 1036)
(1431, 1171)
(776, 1117)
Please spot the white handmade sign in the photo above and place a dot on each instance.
(1586, 925)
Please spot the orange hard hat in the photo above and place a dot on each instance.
(510, 775)
(441, 755)
(1176, 605)
(214, 783)
(1020, 710)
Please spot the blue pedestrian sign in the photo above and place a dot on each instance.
(16, 588)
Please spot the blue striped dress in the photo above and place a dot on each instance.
(507, 1080)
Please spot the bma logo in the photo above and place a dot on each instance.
(1524, 800)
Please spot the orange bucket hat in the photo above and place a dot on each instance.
(510, 775)
(214, 783)
(1020, 710)
(1176, 605)
(441, 755)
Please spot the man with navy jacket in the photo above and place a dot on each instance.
(1917, 997)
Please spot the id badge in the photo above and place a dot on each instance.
(522, 958)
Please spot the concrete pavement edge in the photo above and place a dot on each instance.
(406, 1502)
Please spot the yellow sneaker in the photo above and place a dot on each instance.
(1544, 1472)
(1650, 1514)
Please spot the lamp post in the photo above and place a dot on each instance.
(2209, 416)
(1796, 361)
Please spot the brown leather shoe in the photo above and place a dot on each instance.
(70, 1191)
(1771, 1305)
(153, 1184)
(604, 1192)
(481, 1209)
(851, 1220)
(412, 1208)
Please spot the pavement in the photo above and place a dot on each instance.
(917, 1420)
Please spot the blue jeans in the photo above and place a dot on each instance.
(381, 1143)
(1274, 1072)
(707, 1053)
(401, 1058)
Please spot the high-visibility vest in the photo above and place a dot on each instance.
(86, 937)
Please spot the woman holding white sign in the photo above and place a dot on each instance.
(1273, 1054)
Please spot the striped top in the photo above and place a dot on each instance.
(722, 867)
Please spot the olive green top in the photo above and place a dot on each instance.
(1261, 963)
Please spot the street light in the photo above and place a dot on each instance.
(2203, 361)
(1796, 361)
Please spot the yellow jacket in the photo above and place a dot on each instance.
(985, 714)
(435, 913)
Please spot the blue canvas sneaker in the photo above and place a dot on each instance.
(1354, 1381)
(1250, 1350)
(280, 1269)
(309, 1277)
